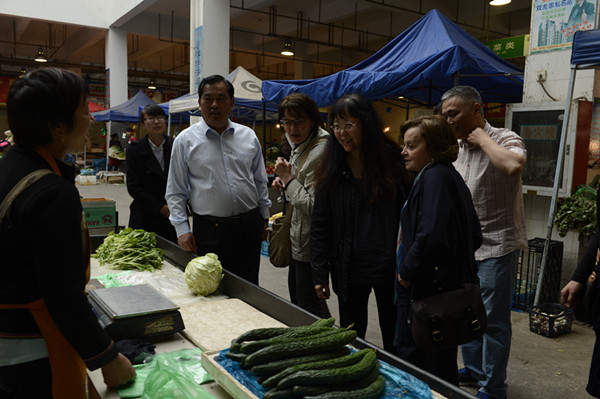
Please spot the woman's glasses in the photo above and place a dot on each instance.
(295, 122)
(154, 118)
(337, 128)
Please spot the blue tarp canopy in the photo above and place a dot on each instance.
(586, 47)
(420, 64)
(129, 111)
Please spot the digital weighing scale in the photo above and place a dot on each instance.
(135, 311)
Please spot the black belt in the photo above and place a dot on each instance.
(230, 219)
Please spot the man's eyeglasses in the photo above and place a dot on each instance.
(336, 127)
(295, 122)
(154, 118)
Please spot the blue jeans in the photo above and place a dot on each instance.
(487, 358)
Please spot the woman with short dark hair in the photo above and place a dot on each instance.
(439, 234)
(49, 333)
(303, 127)
(147, 171)
(361, 185)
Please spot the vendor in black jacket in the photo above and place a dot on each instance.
(49, 333)
(147, 170)
(571, 295)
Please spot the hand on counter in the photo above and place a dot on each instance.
(118, 372)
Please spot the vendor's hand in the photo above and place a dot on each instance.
(323, 291)
(118, 372)
(403, 283)
(187, 242)
(278, 184)
(569, 294)
(165, 211)
(283, 169)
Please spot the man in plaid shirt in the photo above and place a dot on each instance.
(491, 161)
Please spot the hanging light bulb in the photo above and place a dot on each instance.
(151, 85)
(287, 48)
(499, 2)
(40, 57)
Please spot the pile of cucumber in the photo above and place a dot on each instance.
(311, 362)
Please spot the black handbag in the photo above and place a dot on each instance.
(448, 319)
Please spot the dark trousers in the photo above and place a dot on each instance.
(302, 289)
(593, 385)
(26, 380)
(441, 363)
(355, 308)
(236, 241)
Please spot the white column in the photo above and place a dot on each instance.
(209, 40)
(116, 67)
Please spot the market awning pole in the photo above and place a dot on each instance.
(557, 180)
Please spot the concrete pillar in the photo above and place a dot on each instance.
(116, 67)
(209, 40)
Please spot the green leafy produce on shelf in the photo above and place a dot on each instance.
(130, 249)
(578, 213)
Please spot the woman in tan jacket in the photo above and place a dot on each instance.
(303, 128)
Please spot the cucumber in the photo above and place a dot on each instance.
(332, 376)
(343, 361)
(278, 365)
(370, 392)
(311, 390)
(238, 357)
(276, 394)
(265, 333)
(298, 348)
(293, 335)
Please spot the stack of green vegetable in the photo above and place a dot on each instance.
(130, 249)
(309, 362)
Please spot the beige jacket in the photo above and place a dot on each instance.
(300, 192)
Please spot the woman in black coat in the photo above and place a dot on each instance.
(440, 233)
(147, 170)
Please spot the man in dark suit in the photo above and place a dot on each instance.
(582, 11)
(147, 170)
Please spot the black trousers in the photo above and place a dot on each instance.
(355, 309)
(26, 380)
(236, 241)
(302, 289)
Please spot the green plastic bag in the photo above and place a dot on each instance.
(174, 375)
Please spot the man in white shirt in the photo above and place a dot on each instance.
(491, 161)
(217, 165)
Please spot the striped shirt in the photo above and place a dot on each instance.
(497, 197)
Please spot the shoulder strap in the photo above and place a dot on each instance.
(23, 184)
(308, 149)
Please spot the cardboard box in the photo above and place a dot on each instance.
(100, 215)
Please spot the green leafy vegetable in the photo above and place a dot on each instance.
(130, 249)
(578, 213)
(203, 274)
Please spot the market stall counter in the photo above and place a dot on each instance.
(238, 306)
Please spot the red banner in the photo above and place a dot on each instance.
(5, 82)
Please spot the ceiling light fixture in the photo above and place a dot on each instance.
(287, 48)
(499, 2)
(40, 57)
(151, 85)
